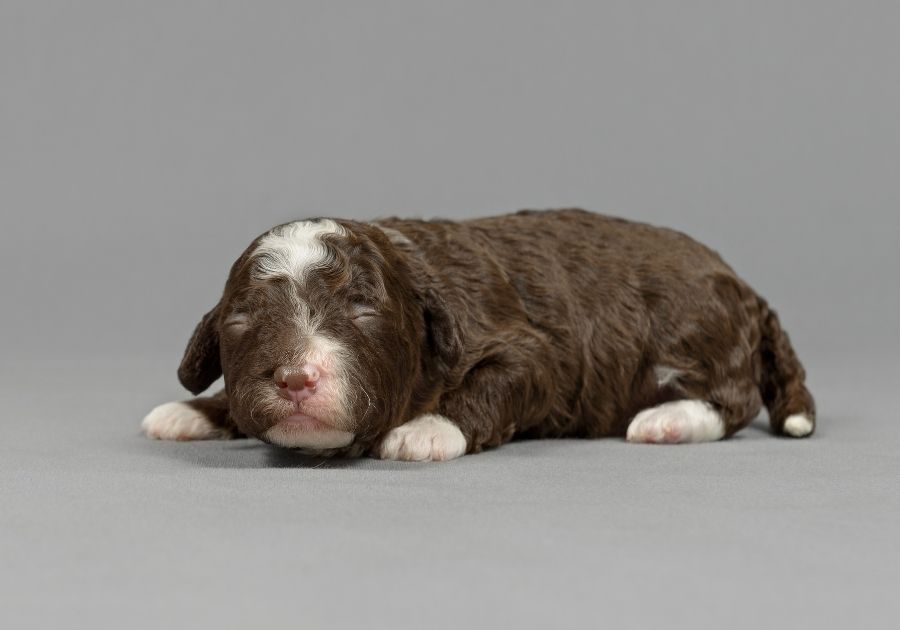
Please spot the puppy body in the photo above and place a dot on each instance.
(428, 339)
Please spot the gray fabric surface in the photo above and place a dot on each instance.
(102, 528)
(144, 144)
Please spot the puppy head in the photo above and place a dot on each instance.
(327, 335)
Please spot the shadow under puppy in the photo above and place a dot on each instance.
(425, 340)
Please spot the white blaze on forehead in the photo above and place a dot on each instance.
(291, 249)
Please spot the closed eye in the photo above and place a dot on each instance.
(236, 323)
(362, 311)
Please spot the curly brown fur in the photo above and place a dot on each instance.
(535, 324)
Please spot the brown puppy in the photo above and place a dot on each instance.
(419, 340)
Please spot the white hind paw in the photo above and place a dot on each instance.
(677, 421)
(798, 425)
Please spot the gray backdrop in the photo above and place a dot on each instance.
(142, 145)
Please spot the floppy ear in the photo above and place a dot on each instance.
(200, 366)
(441, 328)
(441, 323)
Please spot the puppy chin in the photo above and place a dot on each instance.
(308, 433)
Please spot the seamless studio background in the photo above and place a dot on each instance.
(144, 144)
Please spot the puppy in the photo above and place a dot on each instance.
(425, 340)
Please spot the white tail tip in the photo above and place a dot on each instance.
(798, 425)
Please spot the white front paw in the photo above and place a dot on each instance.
(430, 437)
(180, 421)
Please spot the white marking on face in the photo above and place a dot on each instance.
(798, 425)
(324, 418)
(296, 436)
(665, 375)
(304, 321)
(333, 390)
(179, 421)
(677, 421)
(291, 251)
(430, 437)
(293, 248)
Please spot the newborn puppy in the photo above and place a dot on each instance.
(425, 340)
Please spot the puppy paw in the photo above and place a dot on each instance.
(180, 421)
(430, 437)
(677, 421)
(798, 425)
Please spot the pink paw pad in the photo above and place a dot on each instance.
(676, 422)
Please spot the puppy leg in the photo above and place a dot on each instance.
(483, 412)
(714, 406)
(204, 418)
(510, 388)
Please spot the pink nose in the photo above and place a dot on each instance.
(297, 383)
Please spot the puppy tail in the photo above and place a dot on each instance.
(792, 410)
